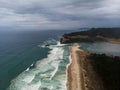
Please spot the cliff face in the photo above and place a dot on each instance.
(93, 35)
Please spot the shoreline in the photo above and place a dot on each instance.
(70, 61)
(73, 71)
(80, 73)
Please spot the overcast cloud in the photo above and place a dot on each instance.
(59, 14)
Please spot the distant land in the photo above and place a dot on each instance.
(111, 35)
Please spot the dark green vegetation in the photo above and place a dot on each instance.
(108, 69)
(93, 35)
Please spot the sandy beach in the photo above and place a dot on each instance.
(74, 73)
(80, 75)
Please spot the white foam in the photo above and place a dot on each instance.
(31, 65)
(51, 88)
(60, 45)
(70, 61)
(32, 87)
(54, 72)
(27, 69)
(28, 79)
(50, 41)
(42, 76)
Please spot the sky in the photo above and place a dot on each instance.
(58, 14)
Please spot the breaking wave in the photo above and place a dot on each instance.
(48, 73)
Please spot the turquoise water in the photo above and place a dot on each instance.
(48, 74)
(19, 50)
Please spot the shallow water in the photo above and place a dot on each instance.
(48, 74)
(19, 50)
(102, 47)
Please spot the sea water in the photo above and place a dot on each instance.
(102, 48)
(20, 50)
(48, 73)
(26, 64)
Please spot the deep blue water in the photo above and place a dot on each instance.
(18, 50)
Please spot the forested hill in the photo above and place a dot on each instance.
(93, 34)
(106, 32)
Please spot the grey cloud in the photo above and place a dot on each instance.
(48, 14)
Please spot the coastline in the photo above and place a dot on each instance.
(68, 65)
(73, 71)
(80, 73)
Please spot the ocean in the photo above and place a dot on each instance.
(20, 50)
(26, 64)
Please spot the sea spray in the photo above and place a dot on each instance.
(48, 74)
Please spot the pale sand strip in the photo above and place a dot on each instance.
(74, 73)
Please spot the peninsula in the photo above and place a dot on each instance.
(111, 35)
(91, 71)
